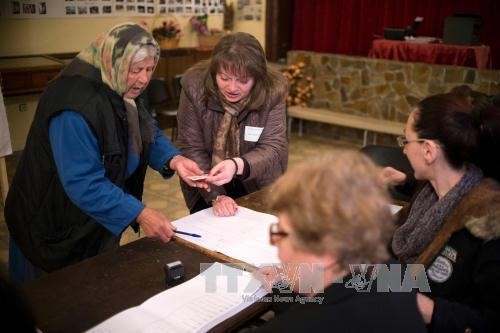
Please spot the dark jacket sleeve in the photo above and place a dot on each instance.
(271, 152)
(191, 140)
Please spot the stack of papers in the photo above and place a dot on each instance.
(244, 237)
(197, 305)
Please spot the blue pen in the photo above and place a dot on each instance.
(187, 233)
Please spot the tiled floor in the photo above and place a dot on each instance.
(166, 196)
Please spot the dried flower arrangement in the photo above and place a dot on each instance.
(199, 24)
(168, 30)
(300, 85)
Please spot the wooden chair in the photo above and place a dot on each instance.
(163, 105)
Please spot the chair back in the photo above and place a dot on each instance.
(394, 157)
(177, 87)
(163, 107)
(157, 93)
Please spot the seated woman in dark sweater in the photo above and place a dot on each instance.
(452, 225)
(332, 218)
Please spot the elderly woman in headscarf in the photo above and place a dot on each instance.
(80, 179)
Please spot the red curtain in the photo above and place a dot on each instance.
(349, 26)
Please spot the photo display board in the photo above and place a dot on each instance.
(103, 8)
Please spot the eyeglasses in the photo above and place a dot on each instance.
(402, 141)
(275, 233)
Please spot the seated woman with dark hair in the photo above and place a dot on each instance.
(333, 217)
(452, 226)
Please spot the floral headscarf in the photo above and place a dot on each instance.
(112, 53)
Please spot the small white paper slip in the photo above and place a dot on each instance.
(395, 208)
(201, 177)
(252, 134)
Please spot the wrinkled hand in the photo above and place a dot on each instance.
(222, 173)
(155, 224)
(268, 276)
(389, 176)
(187, 168)
(224, 206)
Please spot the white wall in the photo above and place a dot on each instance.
(67, 35)
(60, 35)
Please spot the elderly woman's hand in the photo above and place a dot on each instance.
(155, 224)
(224, 206)
(187, 168)
(389, 176)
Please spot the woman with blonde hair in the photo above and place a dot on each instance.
(333, 217)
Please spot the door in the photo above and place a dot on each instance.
(279, 24)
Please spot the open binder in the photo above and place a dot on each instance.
(196, 305)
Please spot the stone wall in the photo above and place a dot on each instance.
(382, 89)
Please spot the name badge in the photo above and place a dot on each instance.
(252, 134)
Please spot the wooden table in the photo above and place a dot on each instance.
(432, 53)
(80, 296)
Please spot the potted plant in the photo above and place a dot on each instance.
(168, 34)
(207, 38)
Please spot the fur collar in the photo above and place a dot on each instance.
(484, 227)
(478, 211)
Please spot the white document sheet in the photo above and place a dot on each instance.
(244, 236)
(196, 305)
